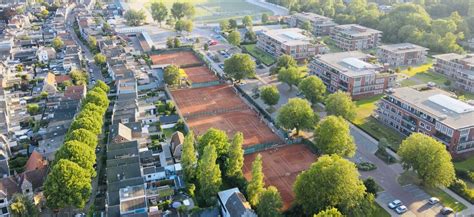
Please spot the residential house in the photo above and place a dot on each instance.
(431, 111)
(404, 54)
(233, 204)
(321, 25)
(49, 84)
(120, 133)
(353, 37)
(458, 67)
(352, 72)
(177, 140)
(76, 92)
(44, 54)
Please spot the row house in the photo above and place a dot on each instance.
(290, 41)
(458, 67)
(352, 72)
(431, 111)
(403, 54)
(353, 37)
(321, 25)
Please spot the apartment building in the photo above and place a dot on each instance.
(353, 73)
(290, 41)
(321, 25)
(432, 111)
(403, 54)
(352, 37)
(459, 67)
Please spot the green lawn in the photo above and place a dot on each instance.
(417, 69)
(168, 132)
(368, 123)
(380, 212)
(445, 198)
(331, 45)
(467, 164)
(264, 57)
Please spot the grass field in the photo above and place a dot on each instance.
(264, 57)
(380, 212)
(445, 198)
(215, 10)
(467, 164)
(365, 121)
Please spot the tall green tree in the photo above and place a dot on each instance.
(284, 61)
(57, 43)
(214, 137)
(134, 17)
(224, 25)
(270, 95)
(22, 205)
(290, 76)
(102, 85)
(232, 24)
(342, 187)
(256, 184)
(184, 25)
(307, 26)
(79, 153)
(100, 59)
(85, 136)
(269, 203)
(313, 89)
(333, 136)
(67, 185)
(428, 158)
(297, 114)
(329, 212)
(79, 77)
(209, 176)
(247, 21)
(340, 104)
(239, 66)
(159, 12)
(180, 10)
(88, 123)
(172, 75)
(234, 38)
(264, 18)
(188, 157)
(235, 160)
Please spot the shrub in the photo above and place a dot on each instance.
(366, 166)
(460, 187)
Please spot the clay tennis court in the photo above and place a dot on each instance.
(177, 58)
(200, 74)
(280, 167)
(220, 107)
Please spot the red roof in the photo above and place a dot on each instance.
(75, 92)
(62, 78)
(35, 162)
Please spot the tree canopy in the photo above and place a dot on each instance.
(239, 66)
(79, 153)
(214, 137)
(234, 38)
(330, 212)
(209, 176)
(134, 17)
(290, 76)
(85, 136)
(297, 114)
(21, 205)
(79, 77)
(428, 158)
(188, 157)
(269, 203)
(270, 95)
(184, 25)
(340, 104)
(57, 43)
(180, 10)
(235, 160)
(284, 61)
(333, 136)
(173, 75)
(100, 59)
(247, 21)
(256, 185)
(313, 89)
(159, 12)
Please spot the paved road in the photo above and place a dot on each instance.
(276, 9)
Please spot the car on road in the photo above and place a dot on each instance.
(212, 42)
(394, 204)
(446, 210)
(433, 200)
(401, 209)
(221, 66)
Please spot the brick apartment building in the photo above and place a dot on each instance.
(351, 72)
(431, 111)
(352, 37)
(321, 25)
(459, 67)
(403, 54)
(290, 41)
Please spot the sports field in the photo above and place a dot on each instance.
(281, 166)
(200, 74)
(176, 58)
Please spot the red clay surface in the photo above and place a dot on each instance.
(219, 107)
(281, 166)
(200, 74)
(177, 58)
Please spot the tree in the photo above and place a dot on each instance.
(264, 18)
(232, 24)
(99, 99)
(270, 95)
(57, 43)
(159, 12)
(290, 76)
(184, 25)
(239, 66)
(23, 206)
(250, 35)
(206, 46)
(102, 85)
(134, 17)
(269, 203)
(92, 42)
(224, 25)
(188, 157)
(234, 38)
(169, 43)
(100, 59)
(87, 123)
(428, 158)
(332, 181)
(176, 42)
(297, 114)
(79, 77)
(340, 104)
(247, 21)
(313, 89)
(216, 138)
(285, 61)
(171, 75)
(32, 108)
(329, 212)
(256, 185)
(333, 136)
(209, 176)
(79, 153)
(44, 94)
(307, 26)
(371, 186)
(235, 160)
(85, 136)
(67, 185)
(180, 10)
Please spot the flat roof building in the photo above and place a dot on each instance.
(321, 25)
(458, 67)
(351, 37)
(403, 54)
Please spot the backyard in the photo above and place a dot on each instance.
(264, 57)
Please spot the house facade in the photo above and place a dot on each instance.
(404, 54)
(458, 67)
(353, 37)
(321, 25)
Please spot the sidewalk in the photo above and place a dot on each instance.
(469, 211)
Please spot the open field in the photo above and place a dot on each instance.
(261, 55)
(215, 10)
(467, 164)
(200, 74)
(280, 167)
(219, 107)
(177, 58)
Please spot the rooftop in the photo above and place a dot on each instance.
(403, 48)
(313, 17)
(351, 63)
(356, 30)
(291, 36)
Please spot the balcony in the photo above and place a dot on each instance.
(442, 137)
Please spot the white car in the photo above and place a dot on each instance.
(433, 200)
(401, 209)
(394, 204)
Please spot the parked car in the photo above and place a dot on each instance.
(221, 66)
(394, 204)
(401, 209)
(212, 42)
(446, 211)
(433, 200)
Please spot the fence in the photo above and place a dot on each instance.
(186, 128)
(262, 147)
